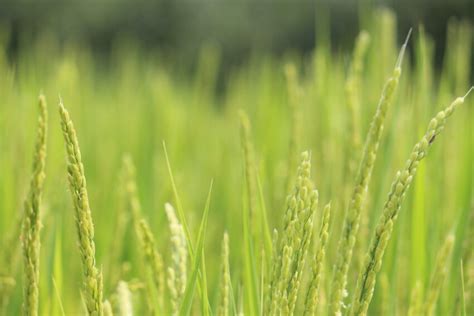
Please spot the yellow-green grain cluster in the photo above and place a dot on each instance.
(353, 213)
(438, 275)
(223, 309)
(177, 272)
(293, 243)
(32, 221)
(416, 300)
(92, 285)
(373, 260)
(250, 172)
(153, 259)
(312, 296)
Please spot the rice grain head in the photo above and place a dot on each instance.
(223, 309)
(373, 260)
(177, 273)
(32, 222)
(439, 274)
(312, 296)
(289, 260)
(416, 300)
(92, 283)
(364, 174)
(153, 259)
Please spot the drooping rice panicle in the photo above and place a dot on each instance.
(438, 275)
(32, 222)
(92, 287)
(289, 260)
(177, 273)
(352, 215)
(312, 296)
(373, 261)
(223, 309)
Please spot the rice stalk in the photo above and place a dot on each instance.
(465, 295)
(223, 309)
(312, 296)
(154, 261)
(439, 274)
(250, 220)
(92, 283)
(152, 258)
(32, 222)
(123, 217)
(250, 172)
(416, 300)
(352, 215)
(373, 260)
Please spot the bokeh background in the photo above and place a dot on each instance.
(238, 27)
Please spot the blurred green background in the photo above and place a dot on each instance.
(238, 27)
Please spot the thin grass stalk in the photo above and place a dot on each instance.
(439, 274)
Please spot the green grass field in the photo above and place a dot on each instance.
(225, 156)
